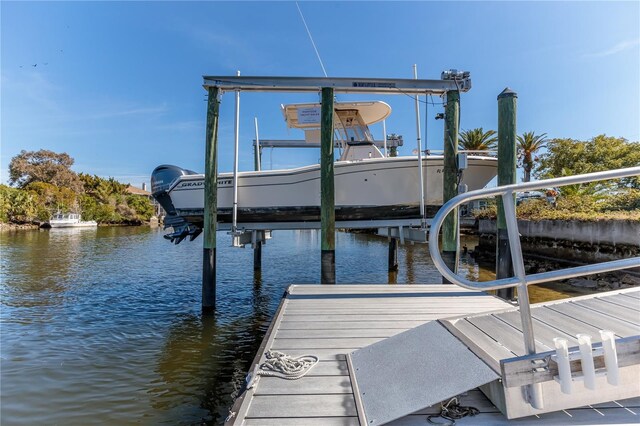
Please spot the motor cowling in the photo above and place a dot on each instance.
(161, 179)
(163, 176)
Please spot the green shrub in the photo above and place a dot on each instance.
(628, 200)
(624, 205)
(5, 202)
(23, 206)
(489, 212)
(106, 213)
(141, 205)
(102, 200)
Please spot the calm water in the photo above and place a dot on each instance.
(104, 326)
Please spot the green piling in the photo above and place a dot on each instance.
(450, 180)
(327, 198)
(507, 158)
(210, 203)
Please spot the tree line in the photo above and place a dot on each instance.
(42, 183)
(612, 199)
(564, 156)
(527, 145)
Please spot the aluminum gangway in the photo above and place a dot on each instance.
(611, 353)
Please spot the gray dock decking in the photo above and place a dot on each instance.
(330, 321)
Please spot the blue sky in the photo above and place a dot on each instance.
(118, 84)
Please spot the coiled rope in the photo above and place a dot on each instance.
(281, 365)
(452, 411)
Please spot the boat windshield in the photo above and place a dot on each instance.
(351, 127)
(351, 119)
(68, 216)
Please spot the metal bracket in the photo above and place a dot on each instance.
(242, 238)
(543, 367)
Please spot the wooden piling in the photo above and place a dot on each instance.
(257, 247)
(257, 256)
(450, 180)
(327, 199)
(393, 254)
(507, 158)
(210, 203)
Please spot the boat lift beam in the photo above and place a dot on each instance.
(301, 143)
(450, 80)
(340, 224)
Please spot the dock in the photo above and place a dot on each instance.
(331, 322)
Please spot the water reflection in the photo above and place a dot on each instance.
(104, 326)
(204, 360)
(187, 359)
(33, 272)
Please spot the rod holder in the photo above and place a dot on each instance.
(610, 356)
(564, 365)
(535, 396)
(586, 360)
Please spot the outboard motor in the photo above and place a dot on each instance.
(161, 180)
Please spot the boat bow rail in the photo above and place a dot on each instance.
(520, 278)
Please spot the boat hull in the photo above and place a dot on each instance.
(374, 189)
(87, 224)
(310, 213)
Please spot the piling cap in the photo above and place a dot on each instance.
(507, 93)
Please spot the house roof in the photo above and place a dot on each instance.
(137, 191)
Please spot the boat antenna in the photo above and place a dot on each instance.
(311, 38)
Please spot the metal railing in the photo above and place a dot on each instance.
(521, 279)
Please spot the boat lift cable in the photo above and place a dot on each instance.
(257, 146)
(426, 146)
(384, 131)
(235, 162)
(419, 142)
(311, 38)
(426, 101)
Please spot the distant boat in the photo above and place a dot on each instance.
(69, 220)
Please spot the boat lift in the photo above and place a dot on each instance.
(256, 233)
(451, 84)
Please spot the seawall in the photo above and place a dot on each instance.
(555, 244)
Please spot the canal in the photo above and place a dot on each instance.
(104, 326)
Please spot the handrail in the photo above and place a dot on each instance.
(520, 278)
(485, 152)
(506, 192)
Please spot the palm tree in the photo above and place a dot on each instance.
(528, 144)
(477, 140)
